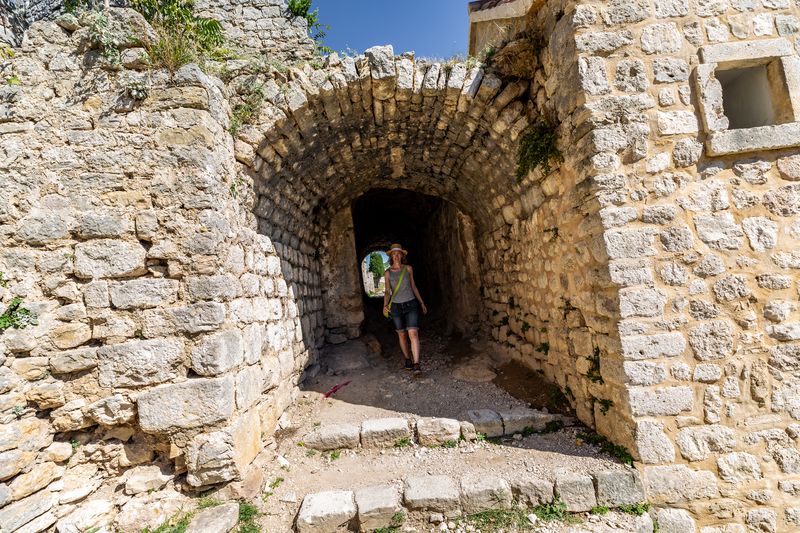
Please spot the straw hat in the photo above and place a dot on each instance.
(396, 248)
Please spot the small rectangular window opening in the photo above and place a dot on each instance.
(753, 96)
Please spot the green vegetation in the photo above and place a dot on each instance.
(594, 367)
(600, 510)
(252, 100)
(275, 483)
(402, 443)
(311, 453)
(8, 74)
(109, 41)
(637, 509)
(17, 317)
(397, 520)
(553, 426)
(247, 518)
(480, 437)
(544, 347)
(376, 266)
(605, 405)
(554, 511)
(537, 149)
(176, 524)
(183, 37)
(450, 444)
(620, 452)
(516, 518)
(335, 454)
(316, 30)
(17, 411)
(207, 502)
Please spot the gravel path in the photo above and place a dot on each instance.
(382, 389)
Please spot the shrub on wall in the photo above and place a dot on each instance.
(537, 149)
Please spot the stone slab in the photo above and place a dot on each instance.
(481, 491)
(576, 491)
(615, 488)
(383, 432)
(377, 505)
(437, 431)
(219, 519)
(519, 419)
(433, 493)
(486, 421)
(333, 437)
(326, 512)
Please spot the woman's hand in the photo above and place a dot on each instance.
(385, 309)
(424, 309)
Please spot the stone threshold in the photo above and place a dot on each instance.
(379, 506)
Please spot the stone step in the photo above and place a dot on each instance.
(374, 507)
(387, 432)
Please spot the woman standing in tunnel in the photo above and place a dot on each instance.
(405, 304)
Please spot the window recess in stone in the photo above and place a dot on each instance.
(749, 96)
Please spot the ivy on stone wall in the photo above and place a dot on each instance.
(537, 149)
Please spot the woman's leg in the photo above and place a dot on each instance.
(413, 334)
(403, 343)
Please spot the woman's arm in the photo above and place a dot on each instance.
(387, 290)
(416, 292)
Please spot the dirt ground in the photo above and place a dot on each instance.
(458, 376)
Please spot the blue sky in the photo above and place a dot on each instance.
(431, 28)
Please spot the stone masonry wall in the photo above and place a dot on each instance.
(704, 250)
(166, 330)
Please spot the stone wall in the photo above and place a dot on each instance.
(167, 330)
(704, 250)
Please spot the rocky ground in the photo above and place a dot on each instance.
(451, 384)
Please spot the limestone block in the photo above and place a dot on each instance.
(145, 478)
(671, 8)
(784, 332)
(687, 152)
(222, 287)
(603, 42)
(789, 168)
(661, 38)
(16, 515)
(47, 395)
(674, 521)
(186, 405)
(785, 357)
(483, 491)
(383, 432)
(99, 224)
(592, 72)
(670, 70)
(87, 516)
(638, 347)
(34, 480)
(745, 51)
(707, 373)
(67, 362)
(137, 363)
(738, 467)
(111, 411)
(762, 520)
(70, 335)
(220, 519)
(784, 202)
(218, 353)
(487, 422)
(533, 492)
(712, 340)
(106, 258)
(326, 512)
(249, 386)
(679, 484)
(210, 459)
(149, 511)
(333, 437)
(437, 431)
(95, 294)
(377, 504)
(629, 244)
(775, 282)
(383, 71)
(144, 293)
(652, 444)
(615, 488)
(576, 491)
(40, 228)
(754, 139)
(199, 317)
(697, 443)
(58, 452)
(641, 302)
(432, 493)
(677, 239)
(519, 419)
(660, 401)
(731, 288)
(30, 368)
(719, 231)
(628, 273)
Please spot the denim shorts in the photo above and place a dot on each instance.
(405, 315)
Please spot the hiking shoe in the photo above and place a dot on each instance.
(408, 365)
(417, 368)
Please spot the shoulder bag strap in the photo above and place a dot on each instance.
(399, 281)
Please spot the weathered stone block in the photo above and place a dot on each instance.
(222, 287)
(652, 444)
(481, 492)
(697, 443)
(145, 478)
(384, 432)
(738, 467)
(660, 401)
(187, 405)
(111, 411)
(326, 512)
(679, 484)
(144, 293)
(138, 363)
(576, 491)
(675, 521)
(219, 519)
(107, 258)
(713, 340)
(433, 493)
(377, 505)
(615, 488)
(638, 347)
(533, 492)
(487, 422)
(218, 353)
(437, 431)
(333, 437)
